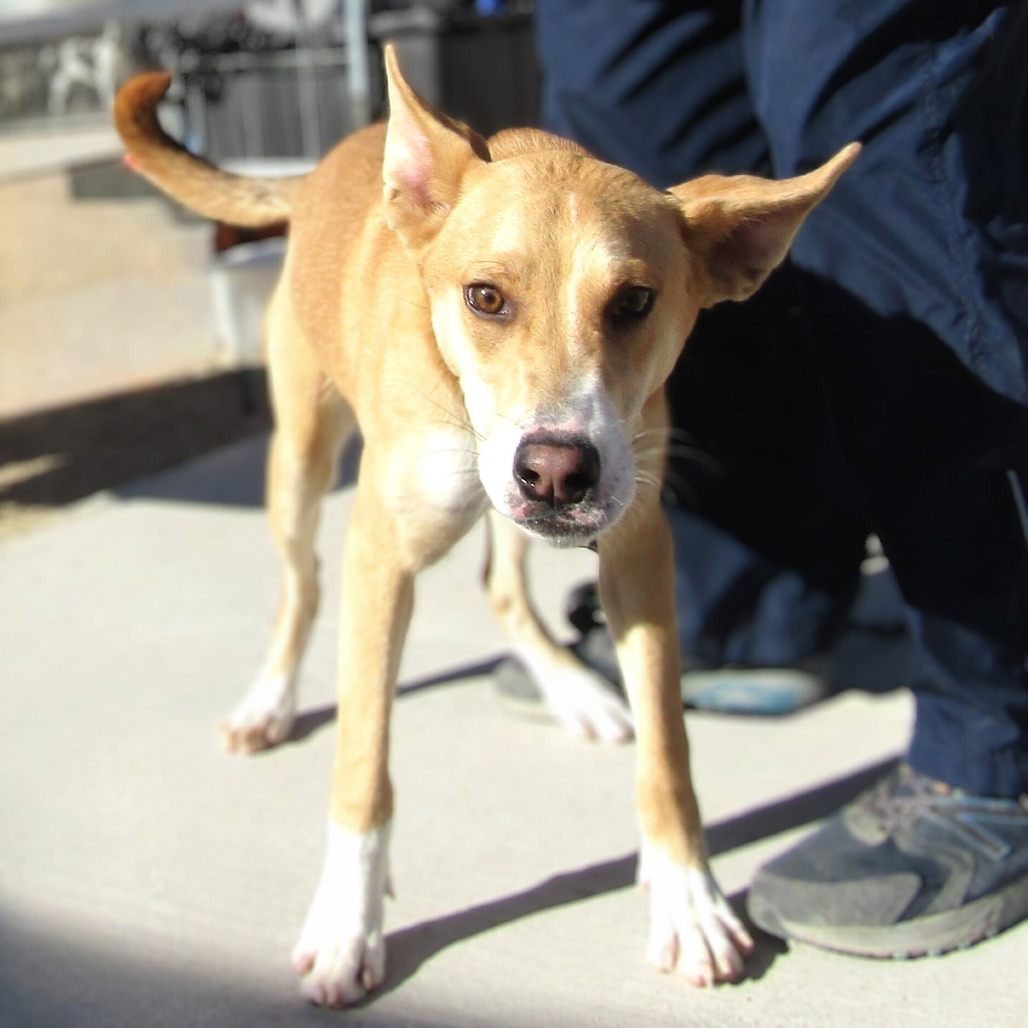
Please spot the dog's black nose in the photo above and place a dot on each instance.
(557, 472)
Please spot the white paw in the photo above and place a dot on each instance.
(341, 952)
(583, 703)
(263, 718)
(692, 927)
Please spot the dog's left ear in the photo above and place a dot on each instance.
(426, 156)
(741, 226)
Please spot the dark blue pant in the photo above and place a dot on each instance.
(877, 382)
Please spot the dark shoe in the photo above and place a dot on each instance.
(910, 868)
(725, 690)
(517, 689)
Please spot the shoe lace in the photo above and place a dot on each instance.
(901, 796)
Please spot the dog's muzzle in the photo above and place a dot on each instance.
(557, 477)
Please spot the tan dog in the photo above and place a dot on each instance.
(499, 317)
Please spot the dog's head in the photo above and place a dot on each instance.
(562, 291)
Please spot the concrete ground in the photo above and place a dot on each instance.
(115, 356)
(96, 295)
(148, 879)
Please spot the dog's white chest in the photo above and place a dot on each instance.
(435, 482)
(438, 494)
(446, 471)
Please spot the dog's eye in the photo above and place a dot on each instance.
(485, 299)
(632, 302)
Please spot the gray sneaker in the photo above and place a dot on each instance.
(912, 867)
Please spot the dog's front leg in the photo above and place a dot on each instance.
(341, 952)
(691, 926)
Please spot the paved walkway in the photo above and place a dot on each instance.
(147, 879)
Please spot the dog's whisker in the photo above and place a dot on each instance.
(452, 418)
(678, 487)
(646, 478)
(697, 457)
(670, 433)
(645, 433)
(503, 417)
(682, 451)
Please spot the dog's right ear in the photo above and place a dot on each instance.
(426, 156)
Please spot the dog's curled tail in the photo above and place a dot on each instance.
(192, 181)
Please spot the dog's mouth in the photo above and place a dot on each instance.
(564, 527)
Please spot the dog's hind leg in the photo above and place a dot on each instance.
(312, 423)
(574, 695)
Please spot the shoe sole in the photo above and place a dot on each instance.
(759, 692)
(769, 692)
(924, 936)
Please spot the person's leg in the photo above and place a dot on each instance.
(912, 275)
(654, 86)
(768, 539)
(771, 535)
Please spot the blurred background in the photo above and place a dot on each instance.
(130, 331)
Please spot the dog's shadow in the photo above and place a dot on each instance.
(412, 947)
(311, 721)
